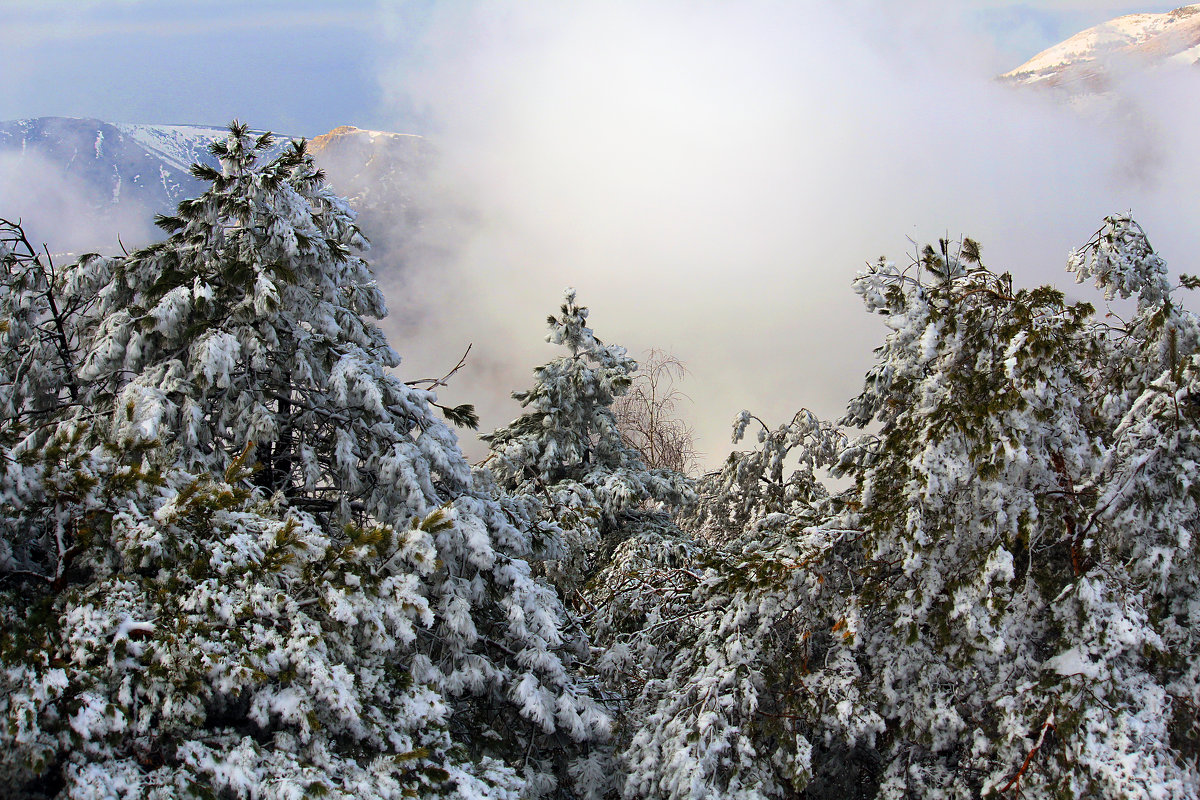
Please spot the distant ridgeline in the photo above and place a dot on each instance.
(1087, 62)
(117, 165)
(117, 162)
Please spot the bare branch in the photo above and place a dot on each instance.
(434, 382)
(647, 416)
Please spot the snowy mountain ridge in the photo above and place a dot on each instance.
(120, 165)
(1085, 61)
(182, 145)
(153, 162)
(111, 163)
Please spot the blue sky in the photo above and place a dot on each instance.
(1022, 29)
(305, 67)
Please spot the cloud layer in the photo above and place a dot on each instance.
(711, 176)
(61, 210)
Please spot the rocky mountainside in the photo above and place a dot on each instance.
(126, 171)
(371, 167)
(113, 163)
(386, 178)
(1088, 62)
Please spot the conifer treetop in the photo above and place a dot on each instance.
(569, 433)
(263, 567)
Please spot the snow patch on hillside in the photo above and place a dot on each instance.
(1173, 36)
(183, 145)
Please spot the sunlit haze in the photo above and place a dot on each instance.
(709, 176)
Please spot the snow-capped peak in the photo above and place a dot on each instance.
(1135, 39)
(179, 145)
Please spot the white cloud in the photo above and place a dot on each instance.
(711, 176)
(59, 209)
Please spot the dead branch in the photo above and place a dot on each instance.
(435, 382)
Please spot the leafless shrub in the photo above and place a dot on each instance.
(648, 417)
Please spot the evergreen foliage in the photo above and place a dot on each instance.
(718, 633)
(612, 548)
(1004, 601)
(240, 557)
(568, 451)
(752, 485)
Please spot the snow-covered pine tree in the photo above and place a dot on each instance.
(567, 450)
(731, 640)
(606, 514)
(696, 658)
(38, 351)
(1030, 597)
(1005, 602)
(754, 484)
(284, 580)
(1145, 522)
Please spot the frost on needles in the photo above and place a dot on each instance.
(240, 557)
(568, 452)
(1004, 603)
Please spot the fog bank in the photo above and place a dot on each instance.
(711, 176)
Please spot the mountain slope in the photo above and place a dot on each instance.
(181, 145)
(122, 174)
(112, 164)
(117, 162)
(108, 163)
(381, 173)
(1087, 62)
